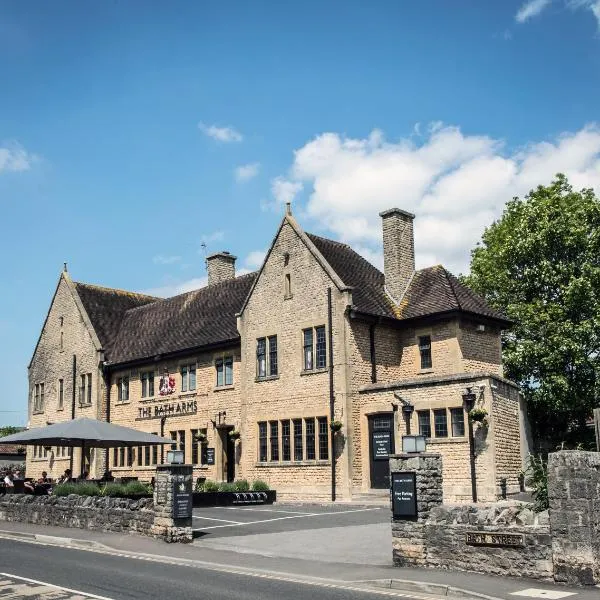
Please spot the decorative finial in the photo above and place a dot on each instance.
(64, 267)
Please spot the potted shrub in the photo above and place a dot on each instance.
(234, 435)
(478, 415)
(200, 437)
(336, 426)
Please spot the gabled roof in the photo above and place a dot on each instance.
(106, 309)
(203, 317)
(432, 291)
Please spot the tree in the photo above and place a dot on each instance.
(9, 430)
(540, 264)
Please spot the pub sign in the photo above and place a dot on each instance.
(404, 494)
(182, 497)
(210, 456)
(382, 445)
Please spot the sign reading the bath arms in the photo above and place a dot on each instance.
(168, 409)
(485, 538)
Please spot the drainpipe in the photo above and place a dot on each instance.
(469, 400)
(106, 373)
(331, 391)
(372, 350)
(73, 392)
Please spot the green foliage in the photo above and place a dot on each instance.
(538, 476)
(478, 415)
(242, 485)
(137, 488)
(81, 489)
(210, 486)
(199, 487)
(259, 485)
(227, 487)
(9, 430)
(540, 265)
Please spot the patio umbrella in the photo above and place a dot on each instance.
(83, 432)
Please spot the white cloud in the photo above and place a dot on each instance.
(221, 134)
(206, 239)
(592, 5)
(284, 190)
(161, 259)
(175, 288)
(247, 172)
(14, 157)
(255, 259)
(456, 184)
(530, 9)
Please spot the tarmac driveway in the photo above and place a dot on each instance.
(336, 533)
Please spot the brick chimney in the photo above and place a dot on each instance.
(398, 251)
(220, 267)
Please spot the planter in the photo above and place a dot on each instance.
(203, 499)
(336, 426)
(234, 435)
(478, 415)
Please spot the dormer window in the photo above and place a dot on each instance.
(425, 351)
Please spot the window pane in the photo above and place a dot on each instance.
(262, 442)
(424, 423)
(144, 385)
(425, 351)
(219, 367)
(308, 349)
(184, 379)
(138, 453)
(195, 446)
(154, 455)
(261, 358)
(323, 439)
(151, 383)
(286, 446)
(441, 422)
(229, 370)
(310, 439)
(321, 348)
(298, 439)
(192, 385)
(89, 388)
(273, 355)
(182, 443)
(274, 439)
(458, 422)
(146, 455)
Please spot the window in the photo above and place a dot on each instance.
(262, 441)
(188, 378)
(139, 456)
(123, 389)
(264, 366)
(178, 438)
(147, 462)
(119, 457)
(129, 456)
(62, 340)
(424, 423)
(61, 393)
(323, 439)
(38, 397)
(425, 351)
(310, 439)
(315, 359)
(286, 442)
(147, 384)
(288, 286)
(298, 455)
(199, 447)
(274, 439)
(85, 389)
(89, 388)
(273, 355)
(458, 422)
(224, 367)
(154, 453)
(440, 419)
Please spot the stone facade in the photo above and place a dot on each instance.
(363, 370)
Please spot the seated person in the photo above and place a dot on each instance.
(66, 477)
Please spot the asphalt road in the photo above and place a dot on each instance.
(118, 577)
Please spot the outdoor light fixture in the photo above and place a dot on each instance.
(412, 444)
(175, 457)
(408, 409)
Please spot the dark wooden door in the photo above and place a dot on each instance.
(229, 456)
(381, 445)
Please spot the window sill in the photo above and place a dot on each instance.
(122, 402)
(86, 405)
(222, 388)
(187, 394)
(267, 378)
(426, 371)
(291, 463)
(40, 459)
(147, 398)
(446, 440)
(37, 412)
(288, 297)
(314, 371)
(60, 409)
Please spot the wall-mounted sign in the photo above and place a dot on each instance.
(210, 456)
(404, 494)
(382, 445)
(182, 497)
(485, 538)
(172, 409)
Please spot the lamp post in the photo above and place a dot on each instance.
(469, 402)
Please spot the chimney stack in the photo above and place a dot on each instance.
(398, 251)
(220, 267)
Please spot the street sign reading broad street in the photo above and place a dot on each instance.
(404, 495)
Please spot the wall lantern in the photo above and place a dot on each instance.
(175, 457)
(408, 409)
(412, 444)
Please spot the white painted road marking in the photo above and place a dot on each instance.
(538, 593)
(289, 512)
(41, 590)
(301, 516)
(222, 520)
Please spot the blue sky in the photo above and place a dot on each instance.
(132, 132)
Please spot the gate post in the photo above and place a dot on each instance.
(173, 503)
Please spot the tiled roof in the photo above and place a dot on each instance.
(11, 449)
(431, 291)
(198, 318)
(106, 308)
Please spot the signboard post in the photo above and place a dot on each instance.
(210, 456)
(382, 445)
(182, 497)
(404, 495)
(597, 426)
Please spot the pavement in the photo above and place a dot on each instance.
(345, 544)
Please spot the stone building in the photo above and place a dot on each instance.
(248, 374)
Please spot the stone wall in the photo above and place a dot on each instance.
(80, 512)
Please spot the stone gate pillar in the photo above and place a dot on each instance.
(408, 536)
(173, 503)
(574, 496)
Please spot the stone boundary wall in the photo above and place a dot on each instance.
(80, 512)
